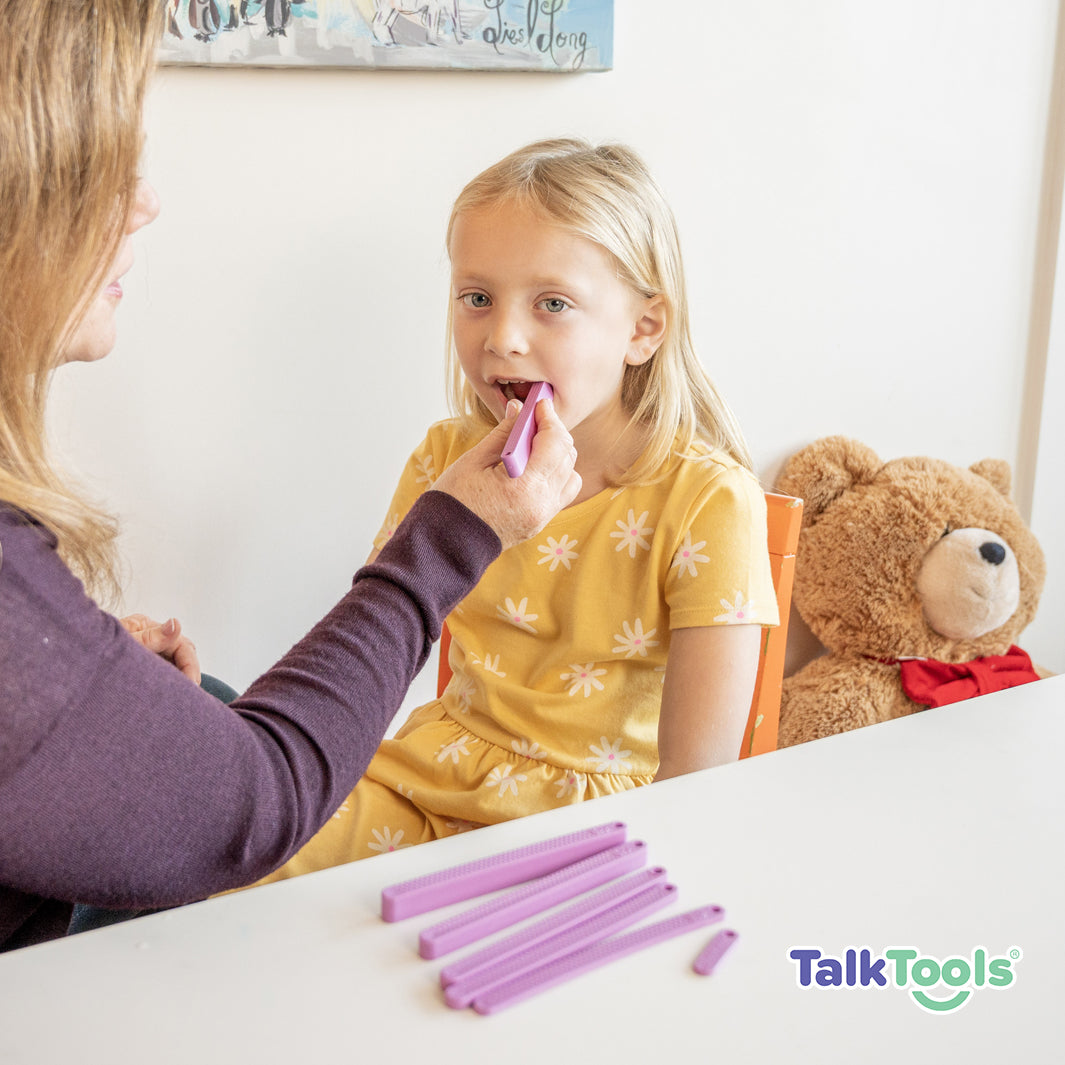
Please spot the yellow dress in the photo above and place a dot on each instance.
(559, 654)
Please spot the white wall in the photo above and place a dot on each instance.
(857, 185)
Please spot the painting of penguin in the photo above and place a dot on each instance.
(204, 19)
(342, 33)
(278, 13)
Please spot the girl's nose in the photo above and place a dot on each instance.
(506, 336)
(145, 206)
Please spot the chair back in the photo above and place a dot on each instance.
(784, 519)
(784, 515)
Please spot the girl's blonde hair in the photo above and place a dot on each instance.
(73, 76)
(606, 195)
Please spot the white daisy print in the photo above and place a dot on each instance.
(584, 678)
(464, 695)
(634, 641)
(688, 555)
(519, 615)
(571, 784)
(557, 552)
(504, 778)
(426, 472)
(491, 665)
(631, 533)
(386, 841)
(453, 750)
(609, 758)
(528, 750)
(736, 612)
(342, 809)
(407, 793)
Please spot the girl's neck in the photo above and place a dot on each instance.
(604, 453)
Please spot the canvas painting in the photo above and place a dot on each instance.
(558, 36)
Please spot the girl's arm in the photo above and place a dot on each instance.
(709, 684)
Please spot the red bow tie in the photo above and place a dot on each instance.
(933, 683)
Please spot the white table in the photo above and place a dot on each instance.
(943, 831)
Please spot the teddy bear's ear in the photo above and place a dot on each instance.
(822, 471)
(997, 471)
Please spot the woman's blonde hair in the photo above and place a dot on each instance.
(73, 76)
(605, 194)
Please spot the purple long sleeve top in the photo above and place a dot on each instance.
(123, 784)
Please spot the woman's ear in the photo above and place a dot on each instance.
(649, 331)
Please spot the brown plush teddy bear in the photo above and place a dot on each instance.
(916, 575)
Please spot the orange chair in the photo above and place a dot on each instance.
(785, 519)
(760, 735)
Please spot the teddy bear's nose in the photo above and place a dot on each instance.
(993, 553)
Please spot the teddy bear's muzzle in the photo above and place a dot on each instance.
(968, 584)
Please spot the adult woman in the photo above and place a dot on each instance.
(122, 783)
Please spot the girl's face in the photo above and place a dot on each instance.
(96, 332)
(535, 302)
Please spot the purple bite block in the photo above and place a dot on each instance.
(531, 898)
(711, 954)
(552, 926)
(519, 443)
(592, 957)
(467, 881)
(464, 992)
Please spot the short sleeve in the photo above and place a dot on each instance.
(720, 573)
(423, 467)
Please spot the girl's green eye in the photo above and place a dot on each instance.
(475, 299)
(554, 305)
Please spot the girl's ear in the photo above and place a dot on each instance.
(649, 331)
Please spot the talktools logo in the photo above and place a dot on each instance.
(937, 986)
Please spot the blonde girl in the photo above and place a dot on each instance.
(620, 646)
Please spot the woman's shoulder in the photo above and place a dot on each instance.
(15, 520)
(51, 633)
(31, 571)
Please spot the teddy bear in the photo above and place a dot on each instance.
(917, 576)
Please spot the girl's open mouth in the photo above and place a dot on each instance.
(515, 389)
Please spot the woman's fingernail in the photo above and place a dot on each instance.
(513, 406)
(169, 627)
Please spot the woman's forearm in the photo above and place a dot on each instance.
(148, 792)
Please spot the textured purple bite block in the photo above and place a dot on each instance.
(467, 881)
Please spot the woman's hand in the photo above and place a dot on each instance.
(517, 507)
(166, 640)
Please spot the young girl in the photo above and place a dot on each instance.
(620, 645)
